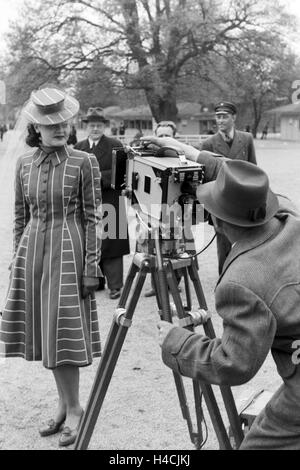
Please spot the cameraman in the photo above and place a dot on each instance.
(257, 296)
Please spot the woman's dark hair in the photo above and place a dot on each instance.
(33, 138)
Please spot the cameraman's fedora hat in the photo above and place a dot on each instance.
(50, 106)
(240, 195)
(95, 114)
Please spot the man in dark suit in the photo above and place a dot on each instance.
(115, 241)
(230, 143)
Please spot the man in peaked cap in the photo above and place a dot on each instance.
(230, 143)
(257, 296)
(115, 242)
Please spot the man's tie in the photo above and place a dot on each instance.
(93, 147)
(228, 139)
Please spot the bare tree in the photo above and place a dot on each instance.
(145, 44)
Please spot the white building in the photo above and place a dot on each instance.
(288, 118)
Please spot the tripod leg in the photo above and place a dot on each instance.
(207, 390)
(234, 419)
(183, 402)
(187, 290)
(108, 362)
(215, 416)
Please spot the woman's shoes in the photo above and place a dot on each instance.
(68, 436)
(51, 427)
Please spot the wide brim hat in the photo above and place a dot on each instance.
(95, 115)
(50, 106)
(240, 195)
(225, 107)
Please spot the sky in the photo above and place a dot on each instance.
(8, 10)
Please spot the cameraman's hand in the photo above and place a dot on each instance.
(164, 327)
(162, 141)
(190, 152)
(89, 285)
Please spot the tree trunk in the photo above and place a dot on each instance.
(257, 117)
(163, 107)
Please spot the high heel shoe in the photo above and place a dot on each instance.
(51, 427)
(68, 435)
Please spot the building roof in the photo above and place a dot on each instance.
(185, 110)
(293, 108)
(111, 110)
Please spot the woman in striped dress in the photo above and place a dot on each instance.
(50, 311)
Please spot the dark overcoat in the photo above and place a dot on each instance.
(115, 240)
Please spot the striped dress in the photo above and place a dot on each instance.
(57, 245)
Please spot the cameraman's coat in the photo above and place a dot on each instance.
(258, 298)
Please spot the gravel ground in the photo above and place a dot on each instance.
(141, 410)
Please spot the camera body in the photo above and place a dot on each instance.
(153, 185)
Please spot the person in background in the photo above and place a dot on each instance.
(115, 242)
(165, 129)
(72, 140)
(257, 296)
(122, 128)
(230, 143)
(265, 131)
(50, 313)
(113, 128)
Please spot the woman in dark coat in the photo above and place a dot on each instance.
(50, 312)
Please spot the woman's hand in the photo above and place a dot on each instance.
(89, 285)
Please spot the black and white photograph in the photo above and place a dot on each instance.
(150, 227)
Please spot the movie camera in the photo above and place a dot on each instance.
(154, 180)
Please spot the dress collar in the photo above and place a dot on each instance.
(56, 155)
